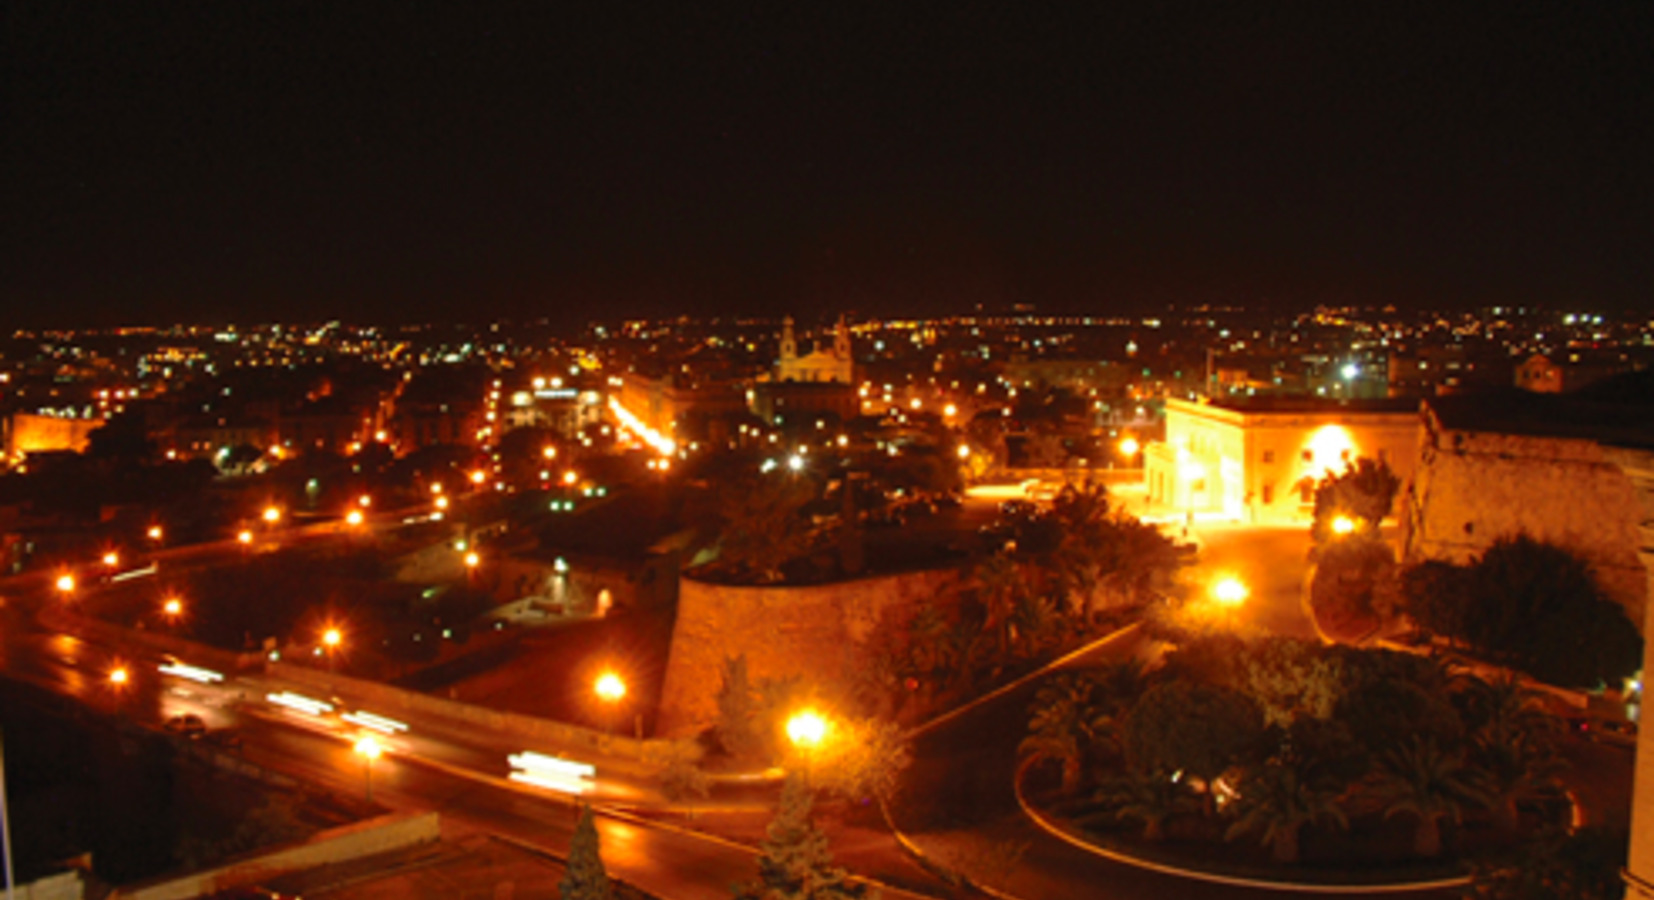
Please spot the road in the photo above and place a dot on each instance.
(435, 766)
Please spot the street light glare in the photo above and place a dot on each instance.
(332, 638)
(1230, 592)
(173, 606)
(1343, 525)
(66, 582)
(807, 729)
(354, 517)
(118, 675)
(610, 687)
(368, 748)
(1129, 446)
(272, 515)
(111, 558)
(245, 537)
(472, 560)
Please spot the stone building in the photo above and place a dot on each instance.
(835, 365)
(1257, 459)
(1559, 467)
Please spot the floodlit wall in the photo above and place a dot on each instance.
(30, 433)
(1472, 488)
(816, 632)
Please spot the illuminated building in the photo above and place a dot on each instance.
(1258, 459)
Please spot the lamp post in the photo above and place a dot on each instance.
(332, 638)
(807, 729)
(611, 689)
(369, 750)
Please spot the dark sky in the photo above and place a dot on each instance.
(380, 161)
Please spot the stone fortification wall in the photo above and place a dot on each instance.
(1472, 488)
(815, 632)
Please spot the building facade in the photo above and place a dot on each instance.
(1258, 459)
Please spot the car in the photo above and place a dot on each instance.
(189, 725)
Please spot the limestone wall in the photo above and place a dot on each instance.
(813, 631)
(1472, 488)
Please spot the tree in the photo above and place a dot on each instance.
(764, 527)
(1512, 742)
(1063, 723)
(683, 780)
(1277, 800)
(1153, 798)
(1292, 679)
(862, 760)
(585, 877)
(1421, 779)
(795, 862)
(1354, 589)
(1532, 606)
(737, 725)
(1581, 865)
(1364, 492)
(1199, 729)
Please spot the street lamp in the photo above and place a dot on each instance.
(111, 559)
(353, 518)
(244, 536)
(332, 639)
(172, 608)
(442, 502)
(369, 750)
(1129, 447)
(155, 532)
(611, 689)
(119, 676)
(472, 560)
(1343, 525)
(66, 583)
(807, 729)
(1230, 592)
(272, 515)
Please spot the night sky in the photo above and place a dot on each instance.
(244, 161)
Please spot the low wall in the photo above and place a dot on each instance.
(534, 732)
(380, 835)
(188, 651)
(62, 886)
(815, 632)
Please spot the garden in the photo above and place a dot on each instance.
(1286, 760)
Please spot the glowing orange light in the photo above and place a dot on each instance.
(154, 532)
(1230, 592)
(244, 536)
(436, 487)
(111, 558)
(65, 582)
(1129, 446)
(173, 607)
(364, 500)
(332, 638)
(272, 515)
(472, 560)
(548, 452)
(807, 729)
(569, 477)
(478, 477)
(119, 676)
(610, 687)
(354, 517)
(1343, 525)
(442, 502)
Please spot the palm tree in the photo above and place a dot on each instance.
(1153, 798)
(1278, 801)
(1421, 779)
(1513, 740)
(1001, 584)
(1064, 722)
